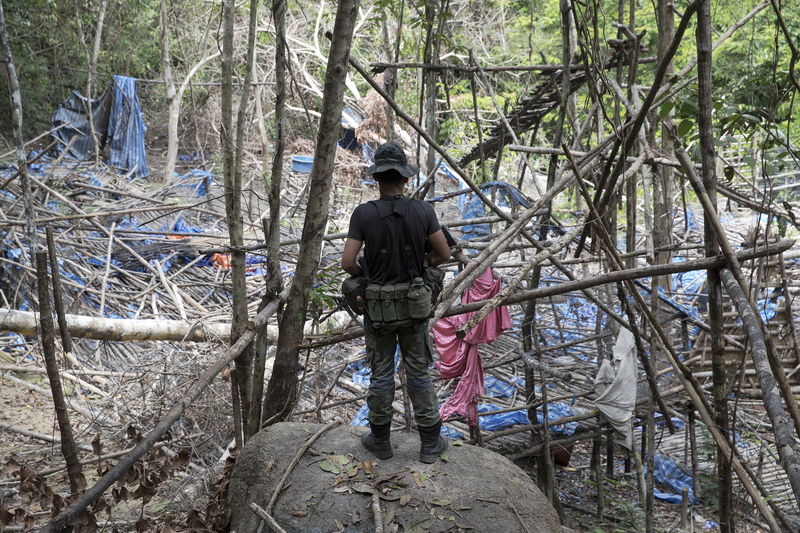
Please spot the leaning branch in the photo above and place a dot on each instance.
(782, 426)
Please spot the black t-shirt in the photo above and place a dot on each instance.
(403, 233)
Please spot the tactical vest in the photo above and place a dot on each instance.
(397, 303)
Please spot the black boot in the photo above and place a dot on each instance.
(432, 443)
(377, 440)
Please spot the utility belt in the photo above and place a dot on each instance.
(398, 302)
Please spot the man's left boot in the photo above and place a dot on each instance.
(377, 440)
(432, 444)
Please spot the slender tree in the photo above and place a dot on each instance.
(96, 45)
(272, 228)
(282, 389)
(47, 337)
(16, 125)
(233, 201)
(713, 282)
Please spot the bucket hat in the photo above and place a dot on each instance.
(390, 156)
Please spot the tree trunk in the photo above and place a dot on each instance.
(68, 449)
(430, 56)
(715, 303)
(173, 103)
(16, 125)
(244, 363)
(282, 390)
(121, 329)
(663, 189)
(98, 40)
(274, 279)
(233, 197)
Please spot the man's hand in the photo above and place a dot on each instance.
(441, 251)
(349, 257)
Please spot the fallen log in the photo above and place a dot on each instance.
(120, 329)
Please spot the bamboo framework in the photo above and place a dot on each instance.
(143, 268)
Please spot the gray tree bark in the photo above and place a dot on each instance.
(251, 415)
(47, 337)
(782, 424)
(98, 40)
(282, 389)
(274, 281)
(169, 85)
(233, 204)
(16, 124)
(713, 283)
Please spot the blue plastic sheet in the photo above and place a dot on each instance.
(198, 180)
(574, 314)
(362, 372)
(500, 420)
(473, 206)
(500, 388)
(661, 423)
(126, 128)
(670, 480)
(555, 411)
(360, 418)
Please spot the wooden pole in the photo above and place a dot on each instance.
(68, 449)
(16, 125)
(55, 275)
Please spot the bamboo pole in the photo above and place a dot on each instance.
(736, 271)
(58, 301)
(684, 375)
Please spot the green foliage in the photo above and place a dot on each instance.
(51, 44)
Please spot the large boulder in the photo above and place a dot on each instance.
(331, 487)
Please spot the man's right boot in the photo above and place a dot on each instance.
(377, 440)
(432, 444)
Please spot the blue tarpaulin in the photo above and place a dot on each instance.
(126, 128)
(473, 207)
(555, 411)
(116, 120)
(672, 479)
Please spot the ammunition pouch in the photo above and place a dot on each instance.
(354, 292)
(398, 303)
(434, 278)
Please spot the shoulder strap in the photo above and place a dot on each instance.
(386, 209)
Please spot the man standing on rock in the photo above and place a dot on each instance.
(395, 231)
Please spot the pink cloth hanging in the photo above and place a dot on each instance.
(459, 357)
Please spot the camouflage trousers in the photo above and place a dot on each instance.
(382, 344)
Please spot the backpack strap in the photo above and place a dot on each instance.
(386, 209)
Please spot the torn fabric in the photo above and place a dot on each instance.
(459, 357)
(615, 386)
